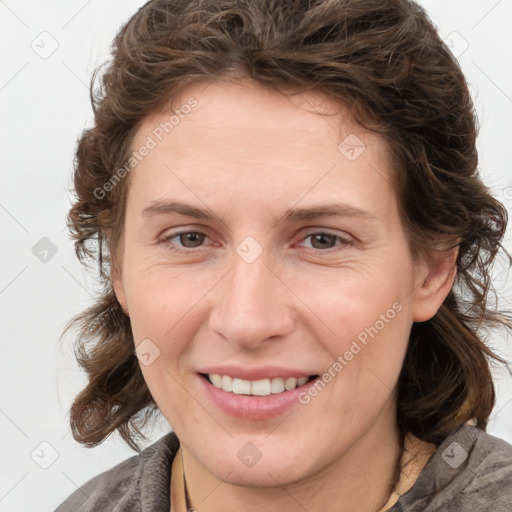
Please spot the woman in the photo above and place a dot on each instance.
(296, 249)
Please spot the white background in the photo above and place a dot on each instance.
(45, 106)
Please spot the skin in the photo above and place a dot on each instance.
(249, 154)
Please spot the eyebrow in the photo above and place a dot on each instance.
(328, 210)
(166, 207)
(291, 215)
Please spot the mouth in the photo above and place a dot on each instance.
(258, 388)
(258, 393)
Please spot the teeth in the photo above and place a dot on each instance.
(241, 387)
(277, 385)
(226, 383)
(216, 380)
(263, 387)
(302, 380)
(291, 383)
(260, 387)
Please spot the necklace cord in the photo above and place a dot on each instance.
(187, 497)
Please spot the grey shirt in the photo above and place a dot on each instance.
(470, 471)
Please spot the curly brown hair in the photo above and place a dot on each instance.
(385, 61)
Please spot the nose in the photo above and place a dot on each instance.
(252, 304)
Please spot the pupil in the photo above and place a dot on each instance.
(194, 238)
(323, 237)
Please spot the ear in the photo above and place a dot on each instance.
(434, 282)
(117, 284)
(116, 276)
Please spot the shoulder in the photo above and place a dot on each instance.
(489, 472)
(470, 470)
(139, 483)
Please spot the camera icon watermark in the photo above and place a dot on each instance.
(454, 455)
(44, 250)
(249, 249)
(44, 455)
(352, 147)
(457, 43)
(249, 455)
(45, 45)
(147, 352)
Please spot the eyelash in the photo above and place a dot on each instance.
(342, 245)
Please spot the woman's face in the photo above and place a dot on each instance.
(296, 264)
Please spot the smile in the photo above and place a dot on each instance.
(261, 399)
(261, 387)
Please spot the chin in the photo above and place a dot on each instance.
(262, 475)
(246, 465)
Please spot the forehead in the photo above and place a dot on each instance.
(241, 138)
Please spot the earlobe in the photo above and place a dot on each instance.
(436, 281)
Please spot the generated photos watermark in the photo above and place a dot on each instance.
(357, 345)
(157, 135)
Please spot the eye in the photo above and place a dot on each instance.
(323, 241)
(184, 239)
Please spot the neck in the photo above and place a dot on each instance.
(362, 479)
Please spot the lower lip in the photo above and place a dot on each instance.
(254, 407)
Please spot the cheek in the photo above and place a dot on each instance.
(357, 302)
(369, 320)
(162, 299)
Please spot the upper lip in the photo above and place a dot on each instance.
(262, 372)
